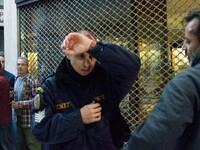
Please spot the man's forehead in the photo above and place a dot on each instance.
(2, 58)
(192, 25)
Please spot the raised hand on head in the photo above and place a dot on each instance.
(76, 43)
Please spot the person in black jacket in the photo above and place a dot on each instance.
(77, 108)
(174, 123)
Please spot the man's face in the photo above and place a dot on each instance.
(22, 67)
(191, 43)
(82, 63)
(2, 61)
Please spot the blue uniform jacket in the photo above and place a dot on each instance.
(57, 106)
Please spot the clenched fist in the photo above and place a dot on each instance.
(91, 113)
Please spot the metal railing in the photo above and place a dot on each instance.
(151, 28)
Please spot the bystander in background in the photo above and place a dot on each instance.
(11, 79)
(24, 91)
(6, 132)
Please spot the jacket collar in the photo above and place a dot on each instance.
(66, 73)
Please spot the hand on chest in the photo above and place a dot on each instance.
(77, 98)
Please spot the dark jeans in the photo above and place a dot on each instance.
(7, 137)
(14, 128)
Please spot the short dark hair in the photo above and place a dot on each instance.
(195, 13)
(1, 53)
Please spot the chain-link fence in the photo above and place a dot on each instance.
(151, 28)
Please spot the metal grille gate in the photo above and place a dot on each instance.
(151, 28)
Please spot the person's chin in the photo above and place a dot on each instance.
(85, 73)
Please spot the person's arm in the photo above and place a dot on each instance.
(27, 103)
(168, 120)
(51, 126)
(24, 104)
(121, 65)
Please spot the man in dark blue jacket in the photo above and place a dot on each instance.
(78, 107)
(174, 123)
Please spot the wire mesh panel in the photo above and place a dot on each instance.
(151, 28)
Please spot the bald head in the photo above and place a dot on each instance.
(193, 26)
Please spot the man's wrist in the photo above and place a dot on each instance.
(92, 44)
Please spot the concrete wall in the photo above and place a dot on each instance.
(1, 2)
(10, 36)
(1, 38)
